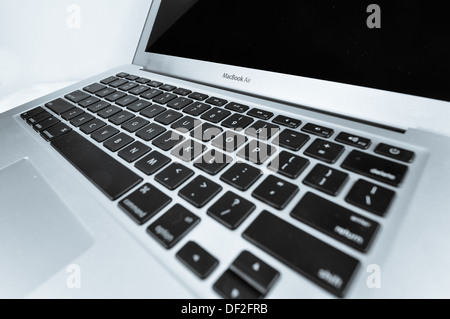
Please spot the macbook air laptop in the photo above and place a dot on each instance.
(251, 149)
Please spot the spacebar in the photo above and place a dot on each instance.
(323, 264)
(110, 176)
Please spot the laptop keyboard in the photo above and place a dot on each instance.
(163, 130)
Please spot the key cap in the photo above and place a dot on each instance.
(179, 103)
(117, 142)
(59, 106)
(196, 109)
(77, 96)
(38, 118)
(128, 86)
(318, 130)
(153, 111)
(55, 131)
(256, 152)
(237, 122)
(395, 152)
(188, 150)
(186, 124)
(325, 265)
(262, 130)
(126, 100)
(150, 94)
(212, 162)
(134, 151)
(275, 192)
(326, 179)
(142, 80)
(353, 140)
(181, 91)
(370, 197)
(167, 87)
(241, 176)
(198, 96)
(72, 114)
(118, 83)
(109, 111)
(122, 75)
(254, 271)
(336, 221)
(261, 114)
(236, 107)
(150, 132)
(152, 163)
(288, 165)
(32, 113)
(168, 140)
(144, 203)
(115, 96)
(200, 191)
(139, 90)
(96, 107)
(291, 140)
(154, 84)
(138, 106)
(231, 286)
(109, 80)
(94, 88)
(105, 92)
(45, 124)
(216, 101)
(198, 260)
(102, 170)
(164, 98)
(132, 77)
(104, 133)
(81, 120)
(121, 117)
(287, 121)
(231, 210)
(170, 228)
(174, 175)
(325, 151)
(92, 126)
(375, 167)
(135, 124)
(215, 115)
(89, 101)
(206, 132)
(168, 117)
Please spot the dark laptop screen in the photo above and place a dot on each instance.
(329, 40)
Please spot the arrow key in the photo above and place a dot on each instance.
(200, 191)
(198, 260)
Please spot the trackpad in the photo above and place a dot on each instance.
(38, 234)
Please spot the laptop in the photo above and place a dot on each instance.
(250, 150)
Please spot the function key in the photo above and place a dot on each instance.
(118, 83)
(275, 192)
(154, 84)
(167, 87)
(200, 191)
(139, 90)
(261, 114)
(395, 152)
(105, 92)
(216, 101)
(198, 96)
(164, 98)
(326, 179)
(126, 100)
(236, 107)
(115, 96)
(94, 88)
(353, 140)
(138, 106)
(77, 96)
(128, 86)
(89, 101)
(132, 77)
(142, 80)
(317, 130)
(96, 107)
(109, 80)
(150, 94)
(122, 75)
(109, 111)
(237, 122)
(181, 91)
(325, 151)
(287, 121)
(179, 103)
(198, 260)
(196, 109)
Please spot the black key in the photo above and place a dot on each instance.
(118, 83)
(104, 133)
(89, 101)
(126, 100)
(132, 77)
(109, 111)
(45, 124)
(395, 152)
(72, 114)
(98, 106)
(31, 113)
(236, 107)
(150, 94)
(164, 98)
(138, 105)
(375, 167)
(241, 176)
(115, 96)
(261, 114)
(59, 106)
(198, 96)
(206, 132)
(229, 141)
(196, 109)
(152, 163)
(326, 179)
(370, 197)
(289, 165)
(231, 210)
(105, 92)
(134, 151)
(287, 121)
(135, 124)
(168, 140)
(353, 140)
(139, 90)
(150, 132)
(154, 84)
(318, 130)
(198, 260)
(167, 87)
(188, 150)
(237, 122)
(128, 86)
(142, 80)
(92, 126)
(153, 111)
(94, 88)
(168, 117)
(254, 271)
(102, 170)
(55, 131)
(262, 130)
(144, 203)
(186, 124)
(174, 175)
(325, 265)
(336, 221)
(231, 286)
(38, 118)
(109, 80)
(77, 96)
(121, 117)
(325, 151)
(122, 75)
(179, 103)
(117, 142)
(212, 162)
(215, 115)
(171, 227)
(181, 91)
(275, 192)
(291, 140)
(81, 120)
(256, 152)
(216, 101)
(200, 191)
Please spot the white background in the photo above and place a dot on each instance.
(43, 48)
